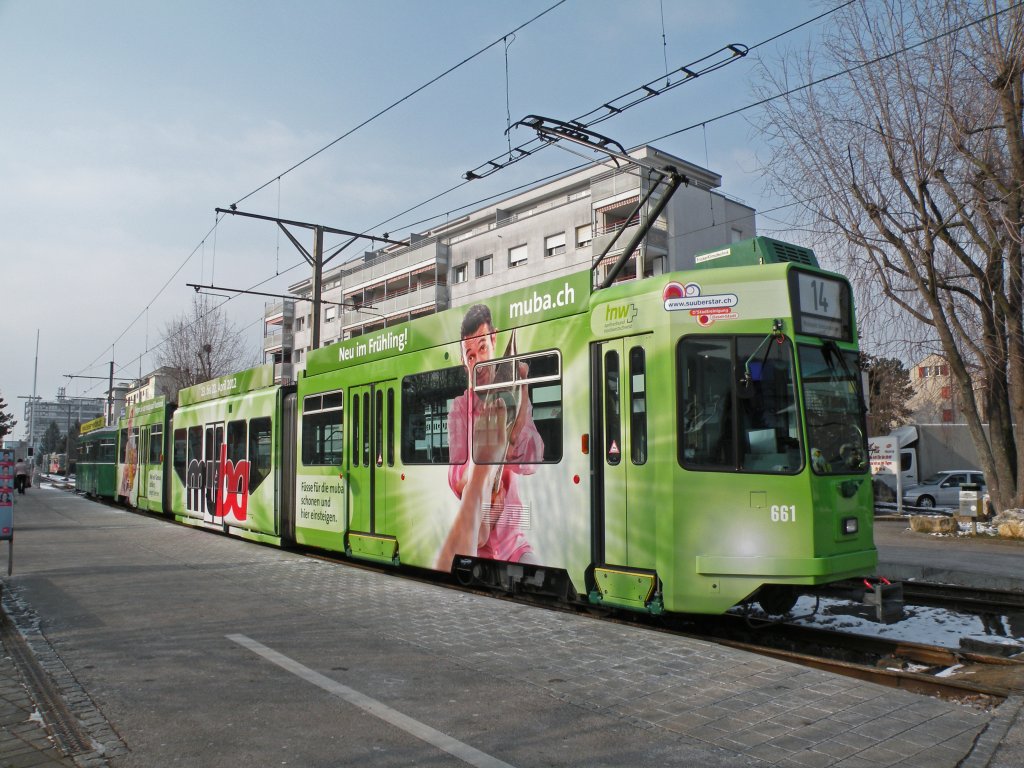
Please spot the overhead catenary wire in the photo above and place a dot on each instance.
(405, 98)
(722, 116)
(278, 178)
(454, 187)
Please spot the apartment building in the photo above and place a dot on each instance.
(556, 228)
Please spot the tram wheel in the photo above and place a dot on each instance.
(777, 600)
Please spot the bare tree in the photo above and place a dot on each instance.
(914, 155)
(202, 344)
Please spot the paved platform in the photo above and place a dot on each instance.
(172, 646)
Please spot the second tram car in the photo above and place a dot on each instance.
(141, 454)
(96, 468)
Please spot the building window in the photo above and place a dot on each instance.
(735, 235)
(330, 314)
(555, 244)
(484, 265)
(584, 235)
(517, 256)
(459, 273)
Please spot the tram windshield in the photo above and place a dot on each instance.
(834, 410)
(739, 406)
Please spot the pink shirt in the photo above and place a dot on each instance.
(506, 540)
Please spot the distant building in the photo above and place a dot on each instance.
(554, 229)
(64, 411)
(162, 381)
(935, 399)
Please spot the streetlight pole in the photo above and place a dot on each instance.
(317, 260)
(108, 417)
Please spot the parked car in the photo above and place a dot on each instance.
(943, 490)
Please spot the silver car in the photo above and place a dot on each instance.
(943, 490)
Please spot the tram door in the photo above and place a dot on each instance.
(213, 439)
(141, 446)
(371, 446)
(625, 500)
(144, 438)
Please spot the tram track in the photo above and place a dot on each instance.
(922, 668)
(962, 598)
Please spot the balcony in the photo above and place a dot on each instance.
(278, 341)
(284, 373)
(279, 312)
(434, 295)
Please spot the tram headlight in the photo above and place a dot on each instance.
(850, 525)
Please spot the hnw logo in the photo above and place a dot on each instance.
(218, 488)
(620, 313)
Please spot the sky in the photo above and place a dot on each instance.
(124, 124)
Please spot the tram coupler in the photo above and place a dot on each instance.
(885, 597)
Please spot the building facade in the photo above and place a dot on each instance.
(63, 411)
(162, 381)
(557, 228)
(936, 399)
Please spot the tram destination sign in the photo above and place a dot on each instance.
(821, 305)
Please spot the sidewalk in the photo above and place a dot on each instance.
(24, 739)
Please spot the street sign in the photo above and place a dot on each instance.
(884, 457)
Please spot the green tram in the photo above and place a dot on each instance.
(228, 437)
(681, 443)
(141, 452)
(96, 468)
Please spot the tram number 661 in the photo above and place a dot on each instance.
(783, 513)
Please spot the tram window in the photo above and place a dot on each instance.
(391, 427)
(612, 417)
(355, 430)
(832, 400)
(156, 444)
(366, 430)
(538, 438)
(379, 426)
(706, 376)
(108, 451)
(767, 407)
(427, 402)
(637, 406)
(195, 444)
(123, 442)
(322, 417)
(738, 405)
(259, 451)
(236, 441)
(179, 453)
